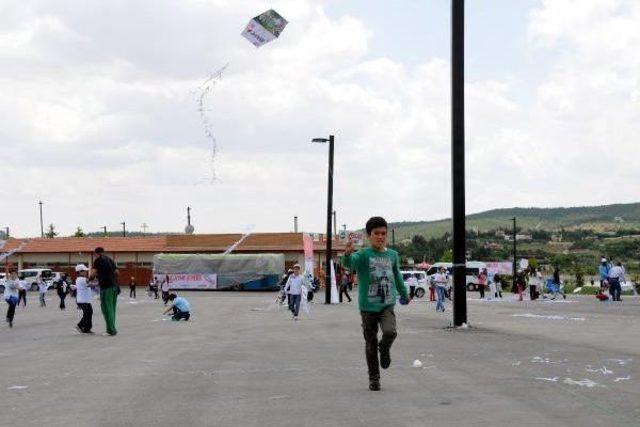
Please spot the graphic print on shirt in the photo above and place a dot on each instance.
(381, 280)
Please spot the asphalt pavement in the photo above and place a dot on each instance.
(241, 361)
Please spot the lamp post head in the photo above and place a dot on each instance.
(320, 140)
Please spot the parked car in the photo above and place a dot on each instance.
(421, 277)
(34, 275)
(473, 270)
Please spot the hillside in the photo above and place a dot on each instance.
(598, 218)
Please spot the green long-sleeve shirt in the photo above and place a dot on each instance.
(379, 278)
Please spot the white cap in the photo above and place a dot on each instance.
(81, 267)
(603, 260)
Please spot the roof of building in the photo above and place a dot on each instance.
(259, 242)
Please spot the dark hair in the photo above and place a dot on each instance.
(172, 296)
(21, 277)
(375, 222)
(99, 250)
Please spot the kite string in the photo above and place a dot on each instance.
(205, 89)
(242, 239)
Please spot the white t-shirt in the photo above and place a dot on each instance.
(42, 287)
(165, 286)
(294, 285)
(22, 285)
(10, 289)
(441, 279)
(83, 291)
(617, 272)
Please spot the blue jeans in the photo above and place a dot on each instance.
(615, 289)
(440, 291)
(295, 304)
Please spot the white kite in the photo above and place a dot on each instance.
(264, 28)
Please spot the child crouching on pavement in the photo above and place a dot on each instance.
(180, 307)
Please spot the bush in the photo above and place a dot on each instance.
(589, 290)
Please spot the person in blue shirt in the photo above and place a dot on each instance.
(603, 269)
(180, 307)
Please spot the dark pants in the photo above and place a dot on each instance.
(533, 292)
(481, 289)
(11, 311)
(177, 314)
(615, 289)
(165, 297)
(370, 321)
(155, 293)
(295, 304)
(86, 323)
(22, 296)
(344, 290)
(62, 297)
(132, 291)
(412, 292)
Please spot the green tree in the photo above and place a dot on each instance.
(447, 256)
(79, 233)
(51, 232)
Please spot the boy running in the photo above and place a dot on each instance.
(379, 282)
(42, 290)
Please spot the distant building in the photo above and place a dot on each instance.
(134, 255)
(519, 237)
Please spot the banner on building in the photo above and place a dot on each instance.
(307, 243)
(193, 281)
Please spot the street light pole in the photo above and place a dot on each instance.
(124, 229)
(457, 163)
(327, 295)
(104, 227)
(41, 222)
(513, 284)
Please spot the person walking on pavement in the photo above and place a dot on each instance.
(22, 291)
(603, 270)
(61, 289)
(440, 281)
(42, 290)
(105, 270)
(132, 288)
(165, 289)
(379, 283)
(83, 299)
(344, 286)
(294, 286)
(616, 276)
(482, 282)
(11, 297)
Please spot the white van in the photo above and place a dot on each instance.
(421, 277)
(34, 275)
(473, 270)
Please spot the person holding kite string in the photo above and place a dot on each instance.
(379, 283)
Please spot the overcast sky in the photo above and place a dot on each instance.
(98, 113)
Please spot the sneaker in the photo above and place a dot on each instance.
(11, 323)
(374, 385)
(385, 357)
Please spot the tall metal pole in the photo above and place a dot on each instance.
(104, 227)
(41, 223)
(457, 163)
(513, 284)
(335, 224)
(295, 224)
(124, 229)
(327, 295)
(393, 237)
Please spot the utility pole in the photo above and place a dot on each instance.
(514, 253)
(295, 224)
(41, 222)
(457, 163)
(327, 295)
(144, 228)
(393, 237)
(104, 227)
(124, 229)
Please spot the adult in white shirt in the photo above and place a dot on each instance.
(294, 287)
(11, 297)
(616, 275)
(165, 289)
(83, 299)
(441, 281)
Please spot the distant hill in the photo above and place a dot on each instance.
(599, 218)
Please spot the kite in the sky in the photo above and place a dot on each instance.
(264, 28)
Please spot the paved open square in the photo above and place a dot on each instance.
(241, 361)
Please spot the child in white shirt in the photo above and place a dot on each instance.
(83, 299)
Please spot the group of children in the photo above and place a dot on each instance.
(83, 288)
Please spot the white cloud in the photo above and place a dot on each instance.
(99, 118)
